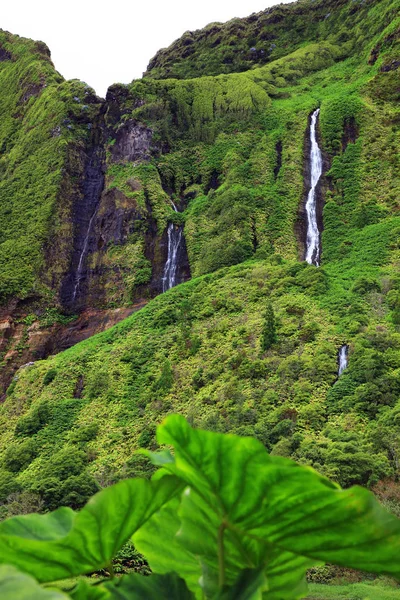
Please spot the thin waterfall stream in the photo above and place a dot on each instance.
(313, 246)
(175, 235)
(80, 268)
(343, 359)
(93, 187)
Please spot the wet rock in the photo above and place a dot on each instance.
(133, 142)
(391, 66)
(56, 132)
(4, 55)
(32, 90)
(43, 49)
(350, 133)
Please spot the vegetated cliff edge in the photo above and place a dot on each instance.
(229, 151)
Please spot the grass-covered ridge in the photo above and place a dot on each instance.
(242, 44)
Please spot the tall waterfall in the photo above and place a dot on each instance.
(313, 249)
(343, 358)
(175, 234)
(92, 190)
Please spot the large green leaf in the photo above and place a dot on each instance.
(84, 591)
(15, 585)
(204, 535)
(65, 543)
(160, 587)
(273, 500)
(250, 585)
(135, 587)
(158, 542)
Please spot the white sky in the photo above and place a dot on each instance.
(112, 42)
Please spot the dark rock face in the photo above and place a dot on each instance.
(83, 214)
(4, 54)
(133, 142)
(350, 133)
(391, 66)
(116, 218)
(32, 90)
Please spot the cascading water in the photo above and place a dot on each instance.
(343, 358)
(175, 235)
(313, 249)
(93, 186)
(80, 268)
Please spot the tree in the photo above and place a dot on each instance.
(269, 331)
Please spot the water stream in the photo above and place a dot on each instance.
(80, 268)
(175, 235)
(343, 358)
(93, 186)
(313, 249)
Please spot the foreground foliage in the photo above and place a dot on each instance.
(219, 519)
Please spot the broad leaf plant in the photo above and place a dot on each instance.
(219, 520)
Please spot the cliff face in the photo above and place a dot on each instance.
(95, 195)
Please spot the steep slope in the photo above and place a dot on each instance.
(54, 218)
(222, 161)
(264, 37)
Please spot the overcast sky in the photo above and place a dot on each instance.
(112, 42)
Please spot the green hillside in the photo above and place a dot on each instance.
(250, 344)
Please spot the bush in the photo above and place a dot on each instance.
(35, 420)
(18, 456)
(50, 376)
(8, 485)
(268, 337)
(363, 285)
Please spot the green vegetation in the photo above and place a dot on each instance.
(42, 130)
(269, 330)
(265, 37)
(248, 346)
(351, 591)
(197, 350)
(227, 146)
(217, 520)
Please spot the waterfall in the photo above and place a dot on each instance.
(92, 189)
(343, 358)
(175, 235)
(313, 249)
(80, 268)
